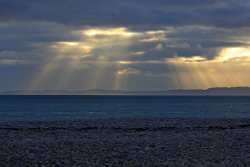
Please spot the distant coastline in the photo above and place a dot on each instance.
(220, 91)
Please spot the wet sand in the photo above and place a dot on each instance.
(126, 142)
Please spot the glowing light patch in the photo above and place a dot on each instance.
(122, 32)
(234, 53)
(69, 46)
(138, 53)
(154, 39)
(128, 71)
(155, 32)
(126, 62)
(186, 59)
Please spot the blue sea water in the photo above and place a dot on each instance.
(23, 108)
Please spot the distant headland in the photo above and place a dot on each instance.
(220, 91)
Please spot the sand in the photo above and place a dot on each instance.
(127, 142)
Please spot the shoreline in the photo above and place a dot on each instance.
(126, 142)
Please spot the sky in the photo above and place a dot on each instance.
(124, 44)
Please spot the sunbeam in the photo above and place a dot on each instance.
(226, 70)
(104, 47)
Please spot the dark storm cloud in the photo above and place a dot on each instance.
(222, 13)
(35, 32)
(196, 22)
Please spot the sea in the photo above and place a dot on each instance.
(55, 108)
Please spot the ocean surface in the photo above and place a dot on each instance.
(29, 108)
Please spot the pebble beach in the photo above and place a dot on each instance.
(126, 142)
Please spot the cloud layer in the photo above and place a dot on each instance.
(107, 44)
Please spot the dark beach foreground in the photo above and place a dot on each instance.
(126, 142)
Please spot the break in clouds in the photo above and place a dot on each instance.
(117, 44)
